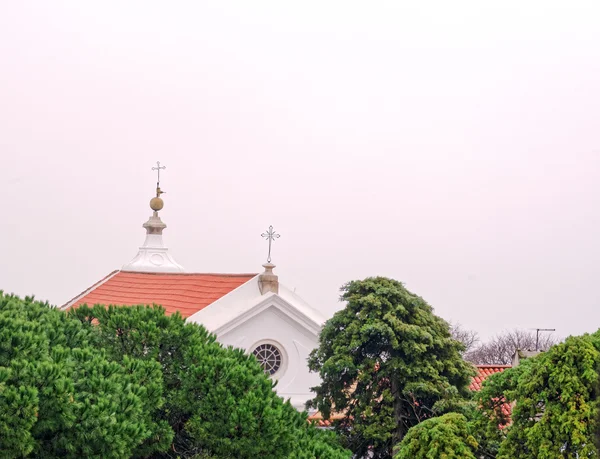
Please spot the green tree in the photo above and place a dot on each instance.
(59, 395)
(555, 404)
(386, 363)
(218, 401)
(124, 382)
(446, 437)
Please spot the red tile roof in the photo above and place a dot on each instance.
(183, 292)
(483, 371)
(318, 417)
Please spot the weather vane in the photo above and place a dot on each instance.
(157, 169)
(270, 236)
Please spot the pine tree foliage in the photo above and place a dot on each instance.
(446, 436)
(217, 401)
(122, 382)
(556, 403)
(387, 362)
(60, 396)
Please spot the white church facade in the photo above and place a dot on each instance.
(254, 312)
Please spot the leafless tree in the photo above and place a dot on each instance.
(469, 338)
(500, 349)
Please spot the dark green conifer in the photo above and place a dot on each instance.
(387, 362)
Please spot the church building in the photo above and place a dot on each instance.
(252, 311)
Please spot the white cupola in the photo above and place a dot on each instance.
(153, 256)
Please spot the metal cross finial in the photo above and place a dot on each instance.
(270, 236)
(157, 169)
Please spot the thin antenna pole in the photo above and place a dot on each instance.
(537, 336)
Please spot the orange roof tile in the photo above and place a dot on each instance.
(483, 371)
(318, 418)
(187, 293)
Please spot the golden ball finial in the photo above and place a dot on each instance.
(156, 204)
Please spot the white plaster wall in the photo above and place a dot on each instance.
(271, 325)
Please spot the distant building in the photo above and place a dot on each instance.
(254, 312)
(521, 354)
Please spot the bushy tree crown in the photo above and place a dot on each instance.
(114, 382)
(446, 437)
(555, 399)
(387, 362)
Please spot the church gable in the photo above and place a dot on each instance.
(281, 344)
(247, 301)
(280, 329)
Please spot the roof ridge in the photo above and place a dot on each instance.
(191, 274)
(484, 365)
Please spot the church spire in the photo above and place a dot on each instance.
(153, 256)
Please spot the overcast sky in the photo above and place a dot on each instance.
(453, 146)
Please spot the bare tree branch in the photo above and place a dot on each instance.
(500, 349)
(469, 338)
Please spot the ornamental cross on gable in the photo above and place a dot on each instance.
(270, 235)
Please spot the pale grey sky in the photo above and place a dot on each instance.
(451, 145)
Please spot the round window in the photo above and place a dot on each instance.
(269, 358)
